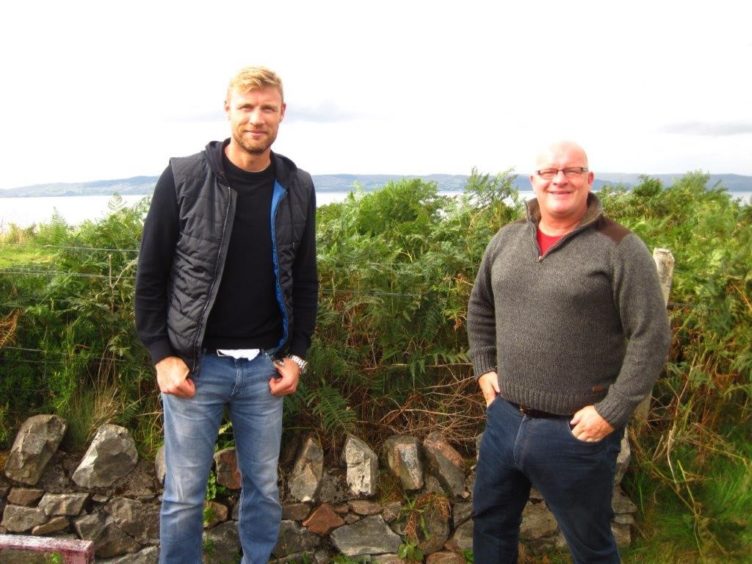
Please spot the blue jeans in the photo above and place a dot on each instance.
(191, 427)
(575, 478)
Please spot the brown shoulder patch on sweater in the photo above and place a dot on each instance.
(611, 229)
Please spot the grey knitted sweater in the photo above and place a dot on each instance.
(585, 324)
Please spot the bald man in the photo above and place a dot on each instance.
(568, 332)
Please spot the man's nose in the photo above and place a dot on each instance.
(560, 177)
(254, 116)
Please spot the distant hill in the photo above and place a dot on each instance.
(138, 185)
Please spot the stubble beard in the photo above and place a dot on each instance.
(255, 149)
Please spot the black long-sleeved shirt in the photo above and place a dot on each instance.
(246, 313)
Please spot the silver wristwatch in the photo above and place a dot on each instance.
(302, 364)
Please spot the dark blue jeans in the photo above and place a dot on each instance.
(575, 478)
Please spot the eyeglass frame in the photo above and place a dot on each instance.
(568, 172)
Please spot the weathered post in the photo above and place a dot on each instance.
(71, 551)
(664, 262)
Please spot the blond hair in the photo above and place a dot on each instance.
(253, 78)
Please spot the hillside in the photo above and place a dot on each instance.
(138, 185)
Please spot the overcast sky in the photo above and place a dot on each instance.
(103, 90)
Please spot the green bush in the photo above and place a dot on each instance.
(74, 351)
(389, 354)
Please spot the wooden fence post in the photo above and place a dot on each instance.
(664, 262)
(71, 551)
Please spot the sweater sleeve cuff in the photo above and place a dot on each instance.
(299, 346)
(482, 363)
(616, 413)
(159, 350)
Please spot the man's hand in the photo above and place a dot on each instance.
(172, 377)
(589, 426)
(489, 385)
(287, 381)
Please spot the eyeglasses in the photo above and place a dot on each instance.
(569, 172)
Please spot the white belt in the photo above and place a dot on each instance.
(248, 354)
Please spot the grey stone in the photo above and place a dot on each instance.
(461, 512)
(431, 484)
(470, 480)
(623, 459)
(54, 525)
(620, 503)
(322, 557)
(111, 456)
(17, 519)
(140, 483)
(332, 488)
(149, 555)
(89, 527)
(222, 544)
(402, 454)
(307, 472)
(159, 465)
(63, 504)
(462, 539)
(56, 476)
(537, 522)
(362, 467)
(36, 442)
(367, 536)
(624, 519)
(622, 533)
(138, 520)
(445, 462)
(109, 539)
(294, 539)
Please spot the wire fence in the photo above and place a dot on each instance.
(51, 273)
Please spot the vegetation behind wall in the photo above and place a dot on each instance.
(389, 356)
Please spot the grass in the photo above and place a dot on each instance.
(716, 528)
(23, 254)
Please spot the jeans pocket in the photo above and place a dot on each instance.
(493, 401)
(589, 444)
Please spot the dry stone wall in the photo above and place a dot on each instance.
(411, 493)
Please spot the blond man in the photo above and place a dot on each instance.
(226, 296)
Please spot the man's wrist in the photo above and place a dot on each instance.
(302, 364)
